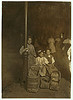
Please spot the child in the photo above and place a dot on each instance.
(55, 75)
(41, 61)
(51, 43)
(30, 50)
(29, 57)
(50, 58)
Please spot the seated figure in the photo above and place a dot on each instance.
(50, 58)
(42, 62)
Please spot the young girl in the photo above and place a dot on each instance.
(30, 59)
(51, 43)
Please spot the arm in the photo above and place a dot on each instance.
(22, 50)
(63, 48)
(46, 61)
(53, 61)
(69, 53)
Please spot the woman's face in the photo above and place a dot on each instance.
(29, 40)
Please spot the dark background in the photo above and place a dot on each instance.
(44, 19)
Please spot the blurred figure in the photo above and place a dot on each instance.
(61, 59)
(51, 43)
(59, 42)
(67, 50)
(69, 57)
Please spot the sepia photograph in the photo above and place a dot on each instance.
(36, 49)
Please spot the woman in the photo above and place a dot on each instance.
(51, 43)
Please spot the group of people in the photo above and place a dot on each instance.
(49, 60)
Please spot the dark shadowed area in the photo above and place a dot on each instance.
(44, 19)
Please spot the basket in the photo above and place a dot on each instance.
(56, 76)
(32, 84)
(54, 86)
(44, 83)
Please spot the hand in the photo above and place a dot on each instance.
(21, 50)
(26, 49)
(63, 48)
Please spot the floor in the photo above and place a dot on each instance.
(15, 90)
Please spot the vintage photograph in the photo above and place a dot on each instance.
(36, 49)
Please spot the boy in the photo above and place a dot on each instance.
(41, 61)
(50, 58)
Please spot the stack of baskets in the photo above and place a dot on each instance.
(32, 84)
(33, 79)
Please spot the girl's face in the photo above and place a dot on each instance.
(29, 41)
(41, 54)
(48, 52)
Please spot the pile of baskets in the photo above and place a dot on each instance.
(34, 81)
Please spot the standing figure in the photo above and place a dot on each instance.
(61, 60)
(59, 42)
(31, 56)
(31, 53)
(51, 42)
(69, 57)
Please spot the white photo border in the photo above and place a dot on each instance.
(71, 51)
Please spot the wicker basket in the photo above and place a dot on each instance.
(56, 76)
(54, 86)
(32, 84)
